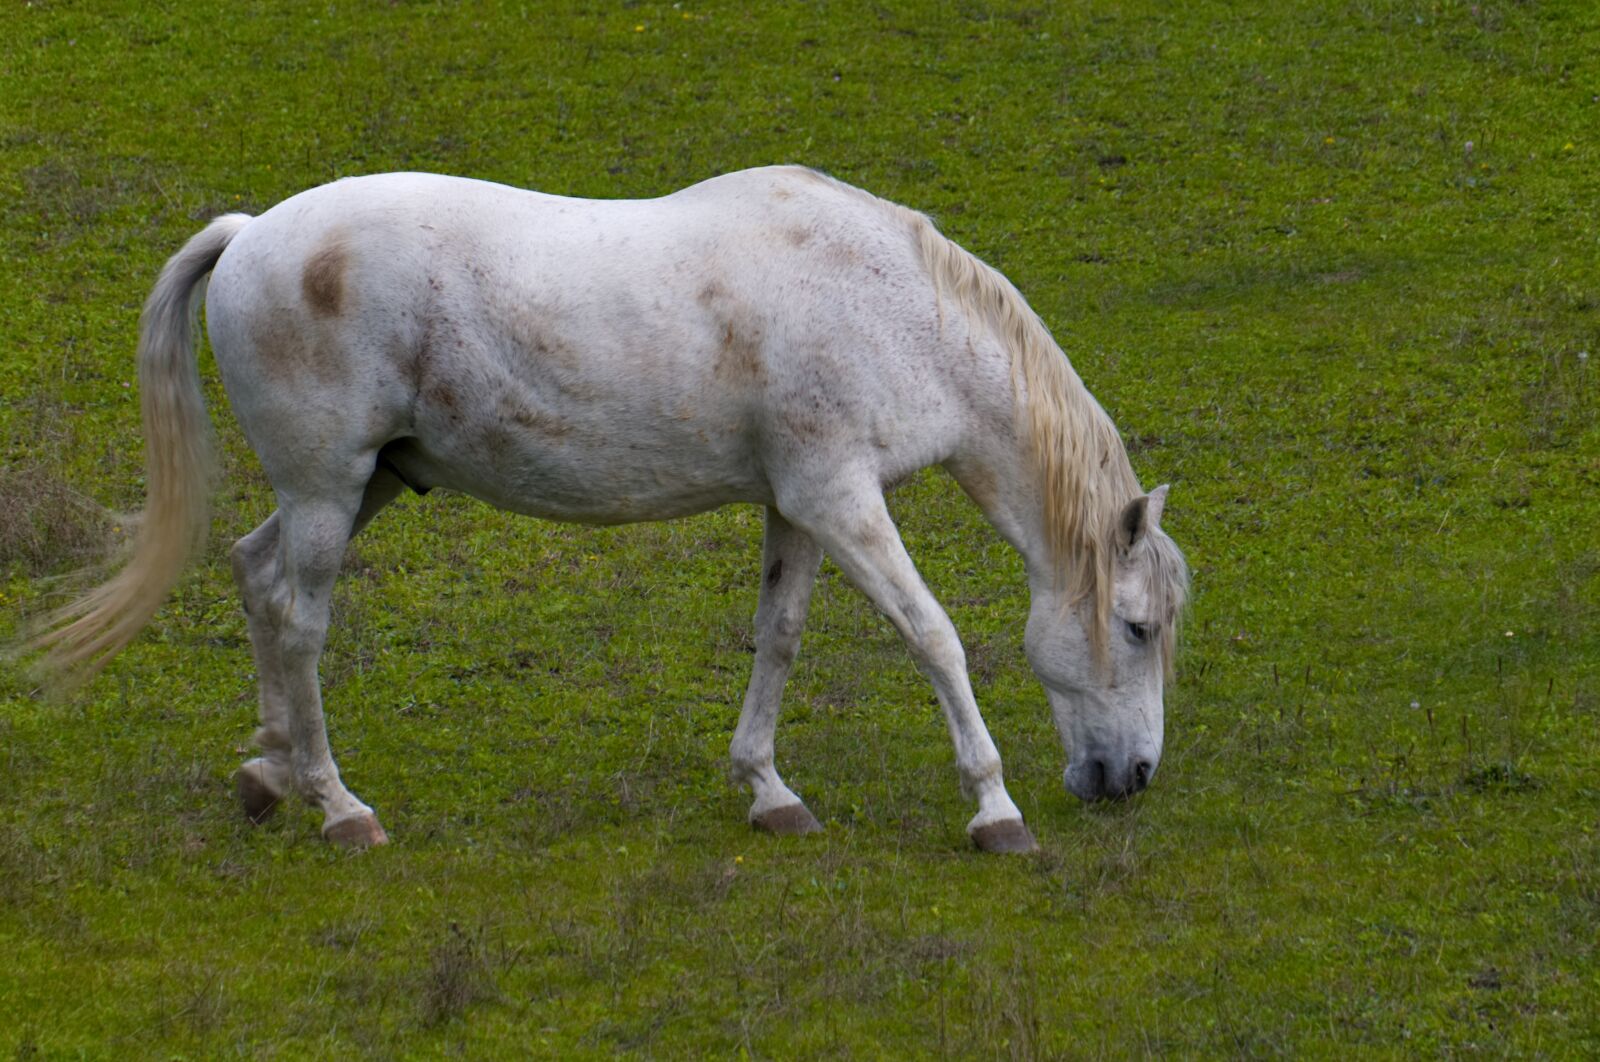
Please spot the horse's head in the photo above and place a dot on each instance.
(1108, 706)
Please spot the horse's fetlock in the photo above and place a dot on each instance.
(980, 776)
(314, 780)
(744, 764)
(273, 742)
(747, 773)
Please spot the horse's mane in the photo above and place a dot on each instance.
(1085, 478)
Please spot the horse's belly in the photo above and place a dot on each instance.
(577, 474)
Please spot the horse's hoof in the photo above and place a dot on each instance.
(791, 820)
(1007, 835)
(257, 798)
(357, 831)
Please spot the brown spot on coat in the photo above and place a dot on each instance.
(802, 427)
(291, 351)
(739, 355)
(322, 281)
(444, 394)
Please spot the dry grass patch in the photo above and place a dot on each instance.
(45, 525)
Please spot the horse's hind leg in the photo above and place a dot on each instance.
(263, 781)
(789, 569)
(259, 567)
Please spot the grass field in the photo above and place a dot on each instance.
(1333, 269)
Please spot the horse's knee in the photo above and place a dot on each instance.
(936, 648)
(778, 648)
(778, 634)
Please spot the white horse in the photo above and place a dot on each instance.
(771, 336)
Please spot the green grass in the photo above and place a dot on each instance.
(1334, 270)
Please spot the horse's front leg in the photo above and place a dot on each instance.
(849, 519)
(788, 571)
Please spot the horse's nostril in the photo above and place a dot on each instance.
(1141, 775)
(1097, 780)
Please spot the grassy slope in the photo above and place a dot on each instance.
(1330, 270)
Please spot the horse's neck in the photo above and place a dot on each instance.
(999, 476)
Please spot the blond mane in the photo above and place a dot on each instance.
(1084, 475)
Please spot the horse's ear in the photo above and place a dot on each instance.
(1133, 523)
(1141, 514)
(1158, 504)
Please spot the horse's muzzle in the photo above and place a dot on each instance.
(1109, 778)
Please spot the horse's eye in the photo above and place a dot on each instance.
(1139, 632)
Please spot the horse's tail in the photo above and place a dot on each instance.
(82, 637)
